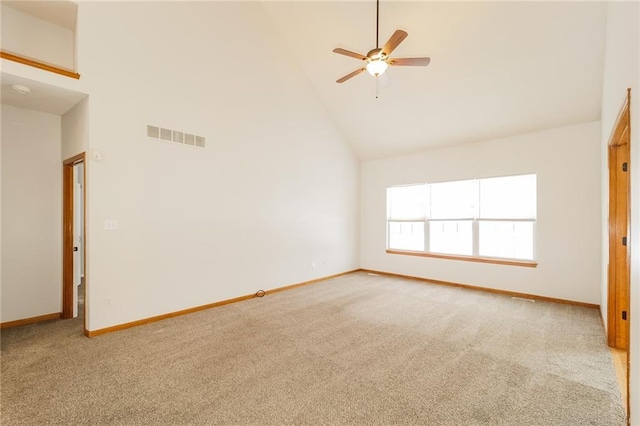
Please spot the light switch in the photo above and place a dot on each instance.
(110, 225)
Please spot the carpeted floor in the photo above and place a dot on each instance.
(357, 349)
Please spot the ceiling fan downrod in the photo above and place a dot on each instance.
(377, 60)
(377, 22)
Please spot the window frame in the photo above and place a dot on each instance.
(475, 226)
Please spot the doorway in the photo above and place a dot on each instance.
(73, 246)
(618, 314)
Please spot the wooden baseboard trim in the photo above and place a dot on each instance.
(317, 280)
(31, 320)
(487, 289)
(37, 64)
(94, 333)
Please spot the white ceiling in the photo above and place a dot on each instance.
(43, 97)
(61, 13)
(497, 68)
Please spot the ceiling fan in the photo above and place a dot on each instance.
(377, 60)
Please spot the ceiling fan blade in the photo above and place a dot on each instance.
(394, 41)
(348, 76)
(349, 53)
(420, 62)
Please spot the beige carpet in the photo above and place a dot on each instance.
(357, 349)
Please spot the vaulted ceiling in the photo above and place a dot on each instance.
(58, 12)
(497, 68)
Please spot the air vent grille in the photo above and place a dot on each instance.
(165, 134)
(175, 136)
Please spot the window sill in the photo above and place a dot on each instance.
(525, 263)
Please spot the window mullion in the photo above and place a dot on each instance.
(476, 237)
(388, 233)
(427, 246)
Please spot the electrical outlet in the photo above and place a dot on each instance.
(313, 264)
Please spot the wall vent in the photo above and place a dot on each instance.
(175, 136)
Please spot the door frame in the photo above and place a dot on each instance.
(67, 234)
(622, 125)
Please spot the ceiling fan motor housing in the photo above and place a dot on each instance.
(376, 55)
(378, 59)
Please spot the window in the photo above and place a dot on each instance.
(407, 205)
(480, 218)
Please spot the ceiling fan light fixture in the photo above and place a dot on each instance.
(377, 60)
(377, 67)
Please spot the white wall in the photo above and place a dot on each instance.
(75, 140)
(566, 161)
(31, 214)
(621, 71)
(35, 38)
(75, 130)
(275, 190)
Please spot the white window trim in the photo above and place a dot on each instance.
(475, 257)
